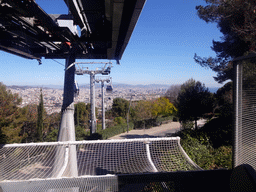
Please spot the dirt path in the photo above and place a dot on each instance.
(159, 131)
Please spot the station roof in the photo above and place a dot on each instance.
(106, 26)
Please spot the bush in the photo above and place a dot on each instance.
(146, 123)
(81, 133)
(199, 153)
(52, 136)
(199, 148)
(119, 120)
(164, 119)
(112, 131)
(219, 131)
(222, 157)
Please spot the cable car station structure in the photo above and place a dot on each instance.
(106, 26)
(26, 30)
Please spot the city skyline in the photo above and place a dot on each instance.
(160, 50)
(53, 97)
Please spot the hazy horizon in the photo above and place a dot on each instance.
(50, 86)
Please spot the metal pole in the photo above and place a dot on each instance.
(67, 125)
(237, 98)
(103, 107)
(92, 94)
(128, 114)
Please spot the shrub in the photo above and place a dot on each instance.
(219, 131)
(52, 136)
(112, 131)
(119, 120)
(164, 119)
(81, 133)
(199, 153)
(199, 148)
(222, 157)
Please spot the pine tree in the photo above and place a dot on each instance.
(193, 101)
(236, 20)
(40, 123)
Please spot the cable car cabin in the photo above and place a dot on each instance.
(109, 89)
(107, 71)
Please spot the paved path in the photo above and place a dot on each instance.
(159, 131)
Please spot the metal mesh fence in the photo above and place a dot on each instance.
(245, 112)
(45, 166)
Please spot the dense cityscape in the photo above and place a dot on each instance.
(53, 96)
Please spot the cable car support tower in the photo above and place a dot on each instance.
(109, 89)
(81, 70)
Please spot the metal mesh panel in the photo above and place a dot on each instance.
(45, 166)
(94, 183)
(245, 113)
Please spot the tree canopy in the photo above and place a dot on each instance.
(142, 110)
(10, 116)
(120, 107)
(82, 114)
(172, 93)
(236, 20)
(193, 101)
(163, 107)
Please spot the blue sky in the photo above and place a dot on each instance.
(160, 51)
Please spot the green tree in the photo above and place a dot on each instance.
(120, 107)
(193, 101)
(142, 110)
(29, 124)
(10, 116)
(40, 119)
(172, 93)
(163, 107)
(236, 20)
(82, 114)
(52, 122)
(225, 94)
(119, 120)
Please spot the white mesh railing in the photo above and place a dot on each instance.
(245, 112)
(45, 166)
